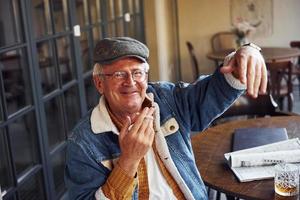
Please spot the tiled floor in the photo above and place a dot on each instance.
(296, 109)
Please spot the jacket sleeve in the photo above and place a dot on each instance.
(199, 103)
(86, 179)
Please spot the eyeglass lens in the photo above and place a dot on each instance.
(137, 75)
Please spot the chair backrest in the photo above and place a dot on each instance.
(194, 60)
(261, 106)
(246, 107)
(295, 44)
(223, 40)
(280, 78)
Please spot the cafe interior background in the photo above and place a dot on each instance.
(45, 68)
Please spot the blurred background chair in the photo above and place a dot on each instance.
(223, 40)
(280, 82)
(261, 106)
(296, 66)
(194, 60)
(246, 107)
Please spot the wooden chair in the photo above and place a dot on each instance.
(194, 60)
(223, 40)
(280, 82)
(246, 107)
(296, 66)
(261, 106)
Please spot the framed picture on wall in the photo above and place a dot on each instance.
(255, 13)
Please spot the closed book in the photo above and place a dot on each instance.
(244, 138)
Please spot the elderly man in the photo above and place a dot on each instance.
(135, 144)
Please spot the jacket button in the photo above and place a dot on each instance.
(172, 127)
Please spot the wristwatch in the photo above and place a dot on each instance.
(252, 45)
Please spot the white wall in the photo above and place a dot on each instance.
(200, 19)
(159, 29)
(151, 38)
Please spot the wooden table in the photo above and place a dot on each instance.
(271, 54)
(209, 148)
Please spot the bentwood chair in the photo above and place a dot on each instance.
(246, 107)
(194, 60)
(296, 67)
(223, 40)
(280, 82)
(252, 107)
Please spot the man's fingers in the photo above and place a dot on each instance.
(251, 76)
(151, 111)
(149, 132)
(257, 80)
(264, 79)
(146, 113)
(134, 117)
(139, 120)
(124, 129)
(242, 70)
(147, 121)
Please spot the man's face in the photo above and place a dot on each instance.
(123, 95)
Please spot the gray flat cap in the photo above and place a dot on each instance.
(110, 50)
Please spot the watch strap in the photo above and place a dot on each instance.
(252, 45)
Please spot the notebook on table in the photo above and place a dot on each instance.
(244, 138)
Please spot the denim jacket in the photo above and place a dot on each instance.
(182, 108)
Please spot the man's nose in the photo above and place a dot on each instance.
(129, 79)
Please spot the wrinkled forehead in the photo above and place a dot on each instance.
(121, 65)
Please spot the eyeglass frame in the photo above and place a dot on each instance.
(125, 75)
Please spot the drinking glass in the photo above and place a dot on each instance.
(286, 181)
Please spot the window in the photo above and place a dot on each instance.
(46, 84)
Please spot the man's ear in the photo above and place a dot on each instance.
(98, 83)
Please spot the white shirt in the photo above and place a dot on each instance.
(158, 186)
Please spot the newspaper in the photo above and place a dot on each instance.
(265, 158)
(258, 163)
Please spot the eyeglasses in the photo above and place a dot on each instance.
(137, 75)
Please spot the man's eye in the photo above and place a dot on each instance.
(119, 75)
(138, 73)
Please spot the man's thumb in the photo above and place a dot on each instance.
(226, 69)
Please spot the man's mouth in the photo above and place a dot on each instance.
(129, 92)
